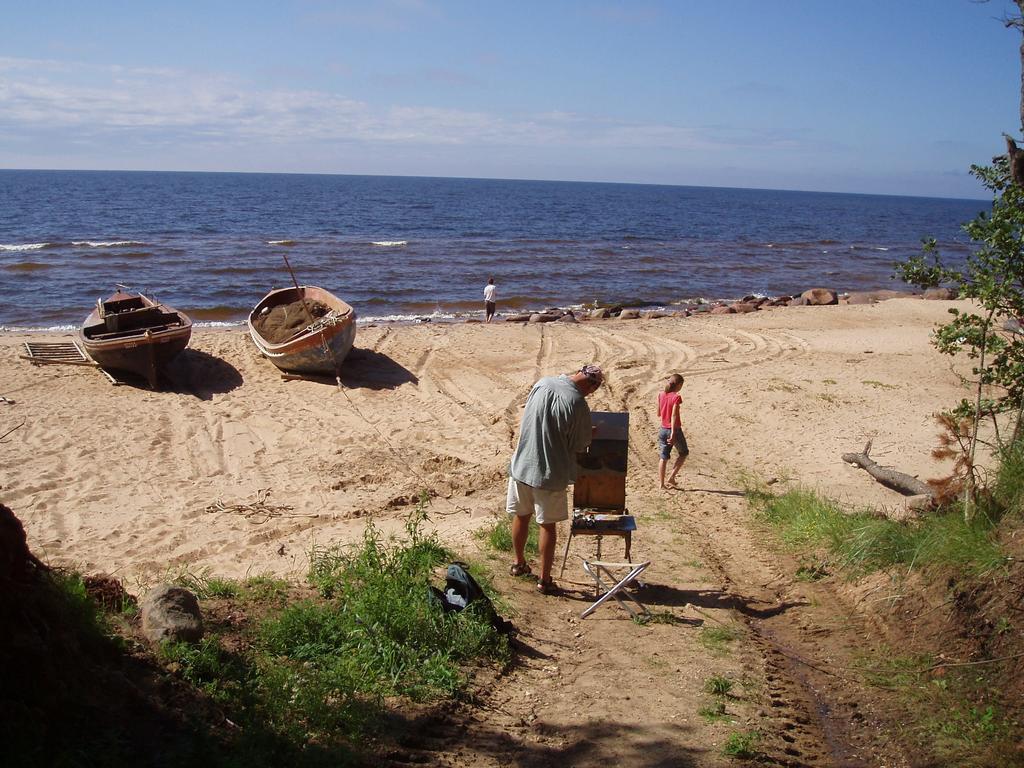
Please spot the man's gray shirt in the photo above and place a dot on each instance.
(555, 427)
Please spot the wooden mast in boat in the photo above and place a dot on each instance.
(312, 320)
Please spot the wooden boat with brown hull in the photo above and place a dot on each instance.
(131, 332)
(304, 329)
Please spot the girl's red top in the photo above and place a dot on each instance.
(666, 401)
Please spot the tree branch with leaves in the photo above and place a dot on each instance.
(993, 278)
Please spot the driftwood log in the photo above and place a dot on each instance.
(906, 484)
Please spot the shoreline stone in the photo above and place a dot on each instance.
(812, 297)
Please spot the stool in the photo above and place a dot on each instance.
(595, 568)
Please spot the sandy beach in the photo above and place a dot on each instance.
(141, 484)
(234, 472)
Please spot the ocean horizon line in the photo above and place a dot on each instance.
(525, 180)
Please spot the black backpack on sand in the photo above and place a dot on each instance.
(462, 591)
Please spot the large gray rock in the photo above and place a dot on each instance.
(820, 297)
(722, 310)
(568, 317)
(171, 613)
(543, 317)
(940, 294)
(629, 314)
(599, 314)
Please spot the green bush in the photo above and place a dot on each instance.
(305, 684)
(380, 633)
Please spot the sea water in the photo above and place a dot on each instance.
(212, 244)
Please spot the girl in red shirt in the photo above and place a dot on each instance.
(671, 432)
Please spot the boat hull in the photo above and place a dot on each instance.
(140, 341)
(318, 351)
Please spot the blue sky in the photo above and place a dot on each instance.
(879, 96)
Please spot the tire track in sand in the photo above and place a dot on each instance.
(745, 349)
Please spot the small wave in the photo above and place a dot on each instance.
(219, 323)
(23, 246)
(281, 242)
(105, 243)
(389, 243)
(880, 248)
(363, 320)
(36, 328)
(26, 266)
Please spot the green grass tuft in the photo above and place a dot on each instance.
(718, 685)
(717, 639)
(499, 536)
(863, 542)
(204, 586)
(742, 745)
(1008, 489)
(264, 588)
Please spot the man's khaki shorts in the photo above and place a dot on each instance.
(548, 506)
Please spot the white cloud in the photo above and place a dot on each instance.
(127, 104)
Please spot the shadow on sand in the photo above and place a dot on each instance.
(425, 739)
(366, 369)
(661, 595)
(200, 374)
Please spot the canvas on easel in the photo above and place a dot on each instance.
(599, 494)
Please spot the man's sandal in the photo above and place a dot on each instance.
(519, 569)
(547, 586)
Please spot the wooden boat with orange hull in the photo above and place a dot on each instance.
(131, 332)
(304, 329)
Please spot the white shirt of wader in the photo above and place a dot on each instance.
(489, 292)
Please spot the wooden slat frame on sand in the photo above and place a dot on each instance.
(62, 353)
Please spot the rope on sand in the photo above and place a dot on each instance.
(404, 465)
(258, 508)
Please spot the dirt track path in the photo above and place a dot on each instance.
(607, 691)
